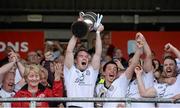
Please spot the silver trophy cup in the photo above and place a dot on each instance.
(89, 22)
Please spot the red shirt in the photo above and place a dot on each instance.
(56, 91)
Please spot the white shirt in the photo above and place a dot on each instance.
(5, 94)
(167, 91)
(100, 91)
(117, 89)
(17, 79)
(133, 91)
(178, 65)
(80, 84)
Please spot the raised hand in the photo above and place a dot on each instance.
(138, 70)
(140, 40)
(58, 71)
(98, 21)
(13, 57)
(168, 47)
(100, 28)
(49, 56)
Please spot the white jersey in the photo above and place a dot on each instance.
(5, 94)
(80, 84)
(133, 91)
(117, 89)
(100, 91)
(178, 65)
(167, 91)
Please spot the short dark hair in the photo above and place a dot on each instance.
(110, 62)
(171, 58)
(77, 52)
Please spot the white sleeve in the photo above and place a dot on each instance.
(121, 83)
(178, 79)
(148, 79)
(67, 74)
(158, 88)
(94, 73)
(17, 76)
(178, 63)
(65, 71)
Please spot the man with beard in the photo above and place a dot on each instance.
(80, 76)
(163, 90)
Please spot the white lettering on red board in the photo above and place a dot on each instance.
(17, 46)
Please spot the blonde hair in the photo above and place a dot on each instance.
(31, 67)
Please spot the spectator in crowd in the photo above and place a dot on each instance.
(108, 47)
(146, 63)
(79, 45)
(157, 69)
(44, 80)
(48, 64)
(114, 85)
(163, 90)
(15, 66)
(92, 49)
(40, 55)
(121, 68)
(9, 81)
(33, 88)
(44, 77)
(7, 87)
(32, 58)
(80, 76)
(118, 55)
(53, 52)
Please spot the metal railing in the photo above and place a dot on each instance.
(88, 99)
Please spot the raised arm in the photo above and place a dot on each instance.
(147, 93)
(58, 84)
(6, 67)
(170, 48)
(20, 66)
(98, 49)
(147, 66)
(69, 57)
(9, 65)
(135, 60)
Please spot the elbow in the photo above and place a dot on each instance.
(147, 95)
(142, 94)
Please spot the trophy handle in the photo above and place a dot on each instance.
(81, 14)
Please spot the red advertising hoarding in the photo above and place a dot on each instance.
(21, 41)
(156, 40)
